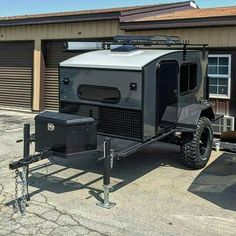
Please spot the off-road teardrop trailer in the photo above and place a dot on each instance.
(134, 96)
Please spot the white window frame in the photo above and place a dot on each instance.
(222, 76)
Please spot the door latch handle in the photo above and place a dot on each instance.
(66, 81)
(175, 92)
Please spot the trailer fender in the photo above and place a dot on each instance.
(189, 115)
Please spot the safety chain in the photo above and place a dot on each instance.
(20, 201)
(17, 182)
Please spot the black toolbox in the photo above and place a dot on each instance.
(64, 134)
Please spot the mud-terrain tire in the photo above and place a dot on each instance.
(196, 147)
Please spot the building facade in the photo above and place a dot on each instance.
(215, 27)
(32, 46)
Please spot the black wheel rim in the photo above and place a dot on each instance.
(204, 142)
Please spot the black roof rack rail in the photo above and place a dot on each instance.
(161, 40)
(125, 40)
(148, 40)
(158, 40)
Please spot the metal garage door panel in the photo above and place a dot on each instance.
(51, 89)
(16, 74)
(54, 55)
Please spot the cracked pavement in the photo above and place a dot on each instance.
(154, 192)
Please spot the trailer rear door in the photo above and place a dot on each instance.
(167, 95)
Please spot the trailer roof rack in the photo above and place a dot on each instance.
(157, 40)
(148, 40)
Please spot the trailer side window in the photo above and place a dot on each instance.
(99, 93)
(188, 77)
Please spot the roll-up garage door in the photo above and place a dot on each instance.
(16, 62)
(54, 55)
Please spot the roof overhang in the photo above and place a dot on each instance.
(180, 23)
(154, 10)
(119, 14)
(61, 19)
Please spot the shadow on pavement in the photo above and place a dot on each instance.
(217, 182)
(126, 170)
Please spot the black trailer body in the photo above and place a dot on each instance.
(144, 101)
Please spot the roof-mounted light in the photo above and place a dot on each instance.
(83, 46)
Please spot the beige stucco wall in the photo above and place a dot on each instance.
(38, 76)
(214, 36)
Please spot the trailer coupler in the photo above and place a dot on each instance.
(29, 160)
(21, 179)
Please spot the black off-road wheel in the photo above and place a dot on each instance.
(196, 147)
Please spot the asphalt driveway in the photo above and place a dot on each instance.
(154, 192)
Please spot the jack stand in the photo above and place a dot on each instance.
(106, 175)
(26, 153)
(106, 203)
(22, 178)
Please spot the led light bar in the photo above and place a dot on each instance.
(83, 46)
